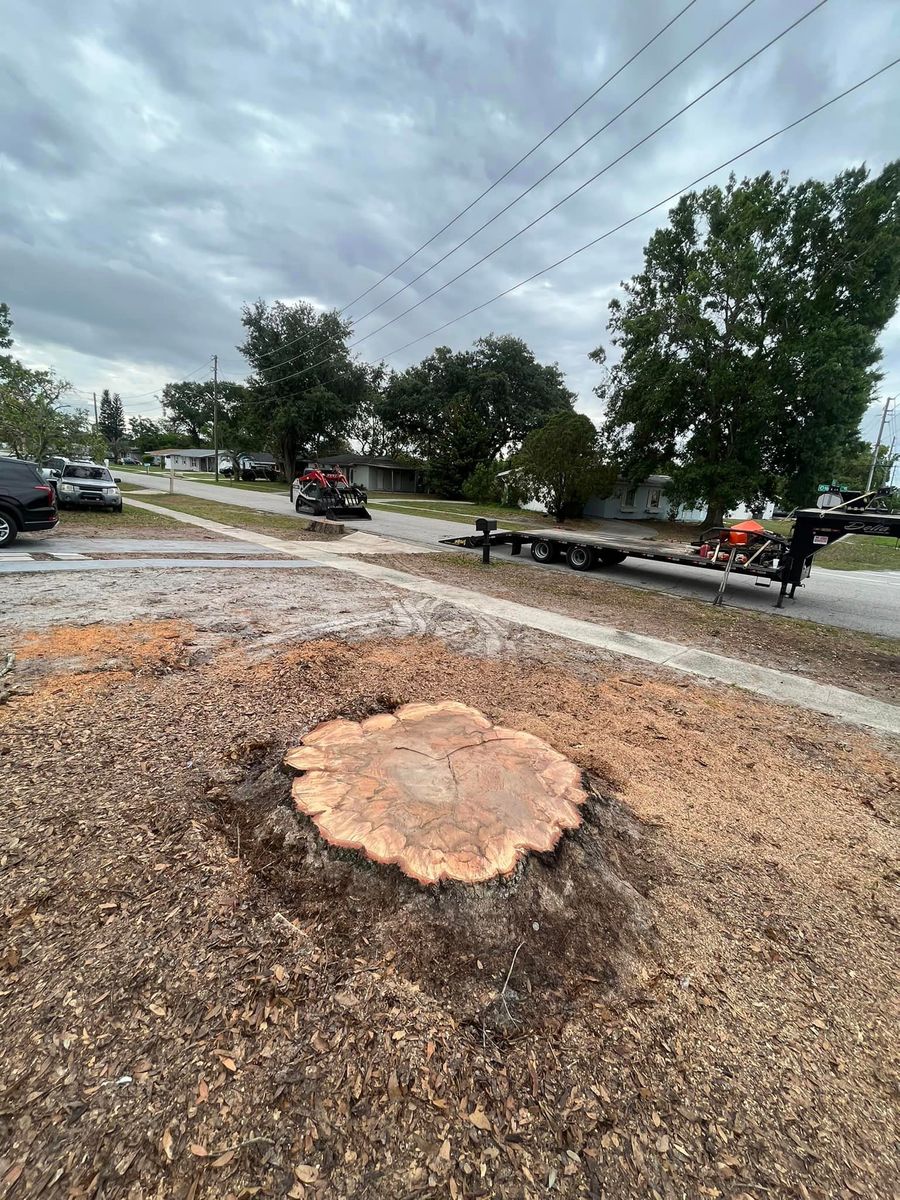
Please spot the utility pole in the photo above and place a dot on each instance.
(874, 461)
(96, 418)
(216, 413)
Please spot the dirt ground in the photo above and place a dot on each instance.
(862, 662)
(690, 997)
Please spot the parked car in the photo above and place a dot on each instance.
(27, 501)
(88, 485)
(52, 468)
(131, 460)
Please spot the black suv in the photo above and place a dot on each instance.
(27, 501)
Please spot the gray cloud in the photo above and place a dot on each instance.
(163, 164)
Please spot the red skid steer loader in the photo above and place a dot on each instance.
(326, 492)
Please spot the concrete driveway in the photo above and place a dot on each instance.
(865, 600)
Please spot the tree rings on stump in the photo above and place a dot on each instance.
(437, 790)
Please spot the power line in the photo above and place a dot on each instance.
(556, 128)
(596, 175)
(527, 154)
(140, 395)
(622, 111)
(575, 191)
(645, 212)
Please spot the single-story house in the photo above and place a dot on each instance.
(373, 474)
(184, 460)
(633, 502)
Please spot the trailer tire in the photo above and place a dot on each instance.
(611, 558)
(580, 558)
(544, 552)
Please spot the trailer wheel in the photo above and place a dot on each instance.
(544, 552)
(611, 558)
(580, 558)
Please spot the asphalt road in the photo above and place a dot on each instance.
(863, 600)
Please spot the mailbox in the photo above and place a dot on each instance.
(485, 525)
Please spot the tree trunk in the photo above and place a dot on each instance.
(288, 448)
(715, 514)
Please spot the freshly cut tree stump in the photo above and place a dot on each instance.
(436, 789)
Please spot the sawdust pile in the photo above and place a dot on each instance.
(202, 999)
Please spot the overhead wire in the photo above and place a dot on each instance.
(587, 141)
(636, 145)
(481, 195)
(140, 395)
(643, 213)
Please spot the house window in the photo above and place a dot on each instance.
(653, 500)
(628, 499)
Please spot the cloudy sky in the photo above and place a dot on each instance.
(163, 163)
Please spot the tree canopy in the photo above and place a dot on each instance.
(561, 464)
(749, 340)
(306, 389)
(33, 419)
(458, 409)
(111, 422)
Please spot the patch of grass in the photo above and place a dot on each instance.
(231, 514)
(862, 554)
(443, 510)
(256, 485)
(259, 485)
(375, 494)
(81, 520)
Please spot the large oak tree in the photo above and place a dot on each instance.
(749, 340)
(305, 388)
(459, 409)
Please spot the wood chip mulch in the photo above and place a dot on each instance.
(690, 997)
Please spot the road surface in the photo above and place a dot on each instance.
(865, 600)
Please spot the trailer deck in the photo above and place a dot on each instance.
(760, 553)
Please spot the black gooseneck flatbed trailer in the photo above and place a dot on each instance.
(765, 556)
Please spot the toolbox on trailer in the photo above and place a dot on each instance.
(747, 548)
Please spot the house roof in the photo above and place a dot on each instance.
(187, 453)
(653, 481)
(364, 460)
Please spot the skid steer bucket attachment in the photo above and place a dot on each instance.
(326, 492)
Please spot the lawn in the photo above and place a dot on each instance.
(157, 474)
(449, 510)
(231, 514)
(257, 485)
(84, 520)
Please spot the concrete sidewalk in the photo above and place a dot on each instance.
(352, 543)
(775, 685)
